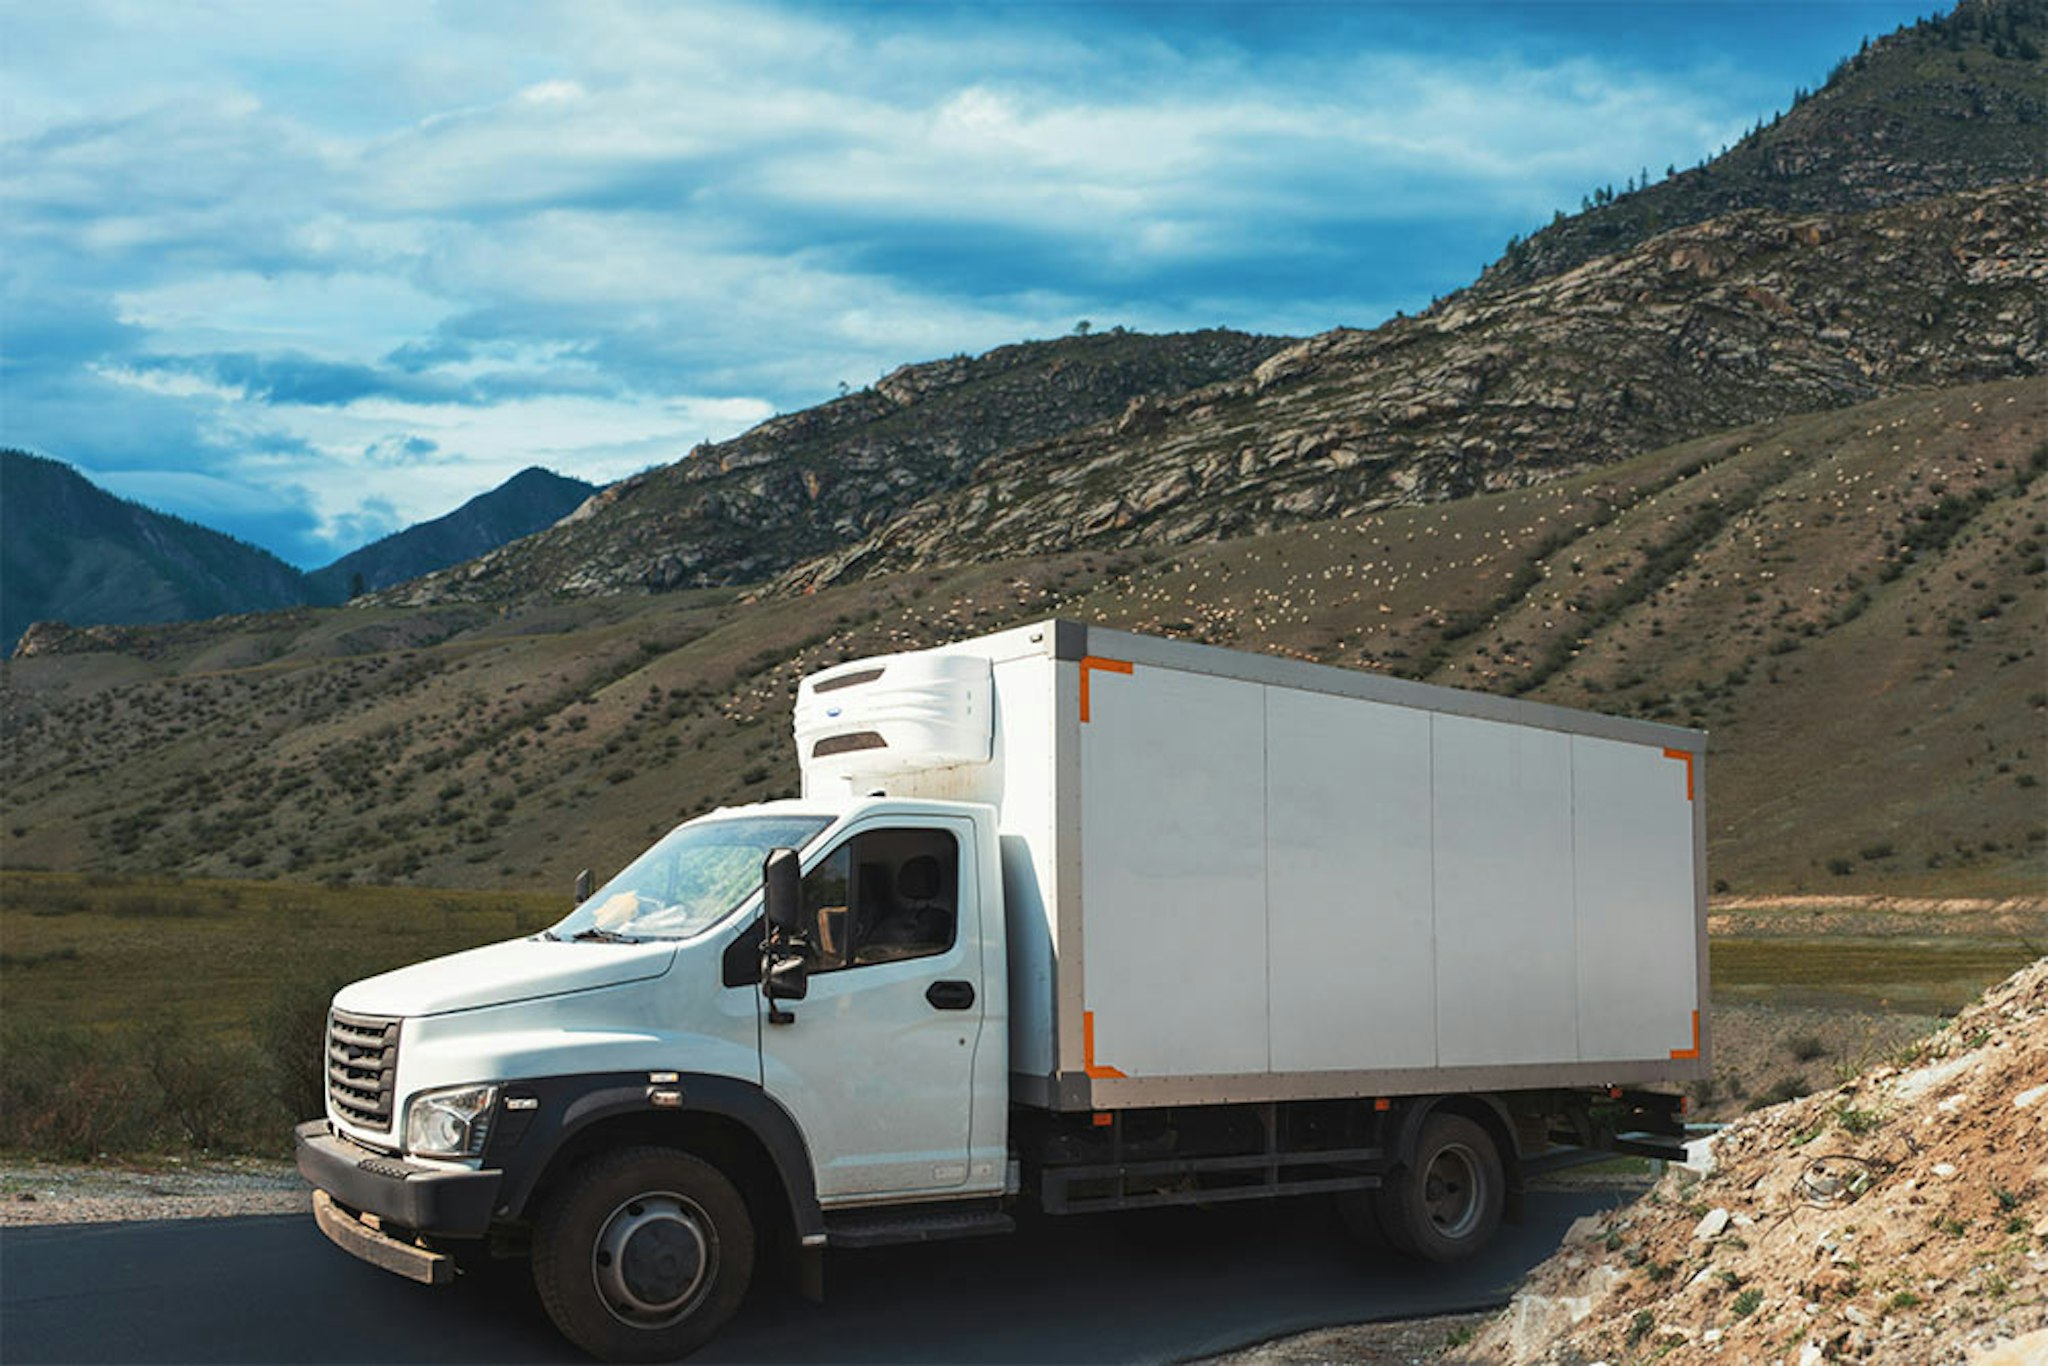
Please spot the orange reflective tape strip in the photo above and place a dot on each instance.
(1088, 1063)
(1684, 756)
(1115, 666)
(1694, 1051)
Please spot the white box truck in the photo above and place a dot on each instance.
(1064, 915)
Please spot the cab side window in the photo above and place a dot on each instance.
(882, 897)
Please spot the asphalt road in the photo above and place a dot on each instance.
(1157, 1285)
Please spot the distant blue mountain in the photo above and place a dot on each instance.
(70, 551)
(531, 500)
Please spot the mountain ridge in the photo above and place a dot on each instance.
(1958, 102)
(1750, 316)
(78, 556)
(740, 510)
(70, 549)
(532, 500)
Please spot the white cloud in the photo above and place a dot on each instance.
(566, 215)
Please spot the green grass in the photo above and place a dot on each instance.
(147, 1016)
(104, 953)
(1921, 976)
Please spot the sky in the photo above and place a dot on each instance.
(309, 273)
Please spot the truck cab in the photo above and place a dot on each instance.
(885, 1084)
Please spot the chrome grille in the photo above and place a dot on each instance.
(362, 1068)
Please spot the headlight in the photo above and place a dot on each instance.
(450, 1123)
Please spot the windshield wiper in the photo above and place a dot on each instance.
(607, 936)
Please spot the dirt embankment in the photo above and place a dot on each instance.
(1900, 1217)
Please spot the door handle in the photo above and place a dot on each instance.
(950, 995)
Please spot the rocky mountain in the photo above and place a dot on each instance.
(1951, 103)
(69, 550)
(1753, 315)
(1854, 602)
(796, 486)
(531, 500)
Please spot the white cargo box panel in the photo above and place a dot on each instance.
(1294, 880)
(1234, 877)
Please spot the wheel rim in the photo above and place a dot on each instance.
(1453, 1191)
(654, 1259)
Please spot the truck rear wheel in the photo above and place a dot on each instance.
(643, 1254)
(1445, 1205)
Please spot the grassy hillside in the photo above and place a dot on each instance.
(1852, 602)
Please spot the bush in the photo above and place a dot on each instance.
(1778, 1092)
(70, 1093)
(74, 1093)
(207, 1091)
(291, 1038)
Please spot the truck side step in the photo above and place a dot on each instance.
(883, 1228)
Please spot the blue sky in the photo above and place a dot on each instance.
(310, 273)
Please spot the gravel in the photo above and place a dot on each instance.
(34, 1192)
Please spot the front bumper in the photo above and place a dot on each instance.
(349, 1233)
(452, 1204)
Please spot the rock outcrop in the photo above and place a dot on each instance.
(802, 484)
(1745, 318)
(1899, 1217)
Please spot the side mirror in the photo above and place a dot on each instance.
(784, 974)
(583, 887)
(788, 979)
(782, 890)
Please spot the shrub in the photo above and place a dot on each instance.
(69, 1092)
(1783, 1089)
(207, 1091)
(291, 1038)
(1805, 1047)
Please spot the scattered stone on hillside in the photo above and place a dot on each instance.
(1749, 316)
(1899, 1217)
(804, 483)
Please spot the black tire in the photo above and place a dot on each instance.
(643, 1254)
(1445, 1205)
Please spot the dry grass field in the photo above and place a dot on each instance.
(141, 1015)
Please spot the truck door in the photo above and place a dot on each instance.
(878, 1066)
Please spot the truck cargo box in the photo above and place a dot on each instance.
(1236, 877)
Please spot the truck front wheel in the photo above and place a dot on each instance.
(643, 1254)
(1445, 1205)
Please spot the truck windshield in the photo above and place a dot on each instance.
(689, 881)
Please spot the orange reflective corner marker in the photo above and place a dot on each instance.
(1088, 1063)
(1682, 755)
(1114, 666)
(1694, 1051)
